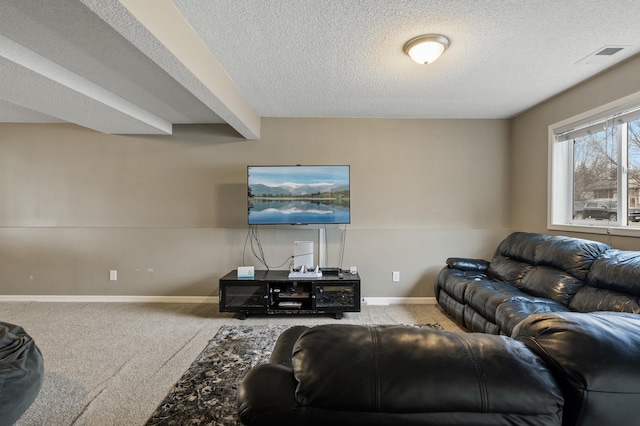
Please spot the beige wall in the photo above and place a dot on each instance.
(169, 212)
(529, 141)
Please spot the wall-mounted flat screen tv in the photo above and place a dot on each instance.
(298, 195)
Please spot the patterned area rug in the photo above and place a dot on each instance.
(206, 394)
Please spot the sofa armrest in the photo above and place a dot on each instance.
(265, 392)
(284, 345)
(596, 359)
(467, 264)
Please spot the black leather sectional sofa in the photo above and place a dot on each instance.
(535, 273)
(555, 339)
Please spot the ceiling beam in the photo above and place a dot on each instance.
(168, 26)
(37, 83)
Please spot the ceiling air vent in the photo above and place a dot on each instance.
(603, 56)
(608, 51)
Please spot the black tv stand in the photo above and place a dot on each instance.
(273, 293)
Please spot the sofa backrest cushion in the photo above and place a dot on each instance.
(521, 246)
(591, 299)
(613, 284)
(573, 255)
(508, 269)
(617, 270)
(551, 283)
(543, 265)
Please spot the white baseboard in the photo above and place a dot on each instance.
(371, 301)
(116, 299)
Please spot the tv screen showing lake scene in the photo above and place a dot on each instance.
(298, 195)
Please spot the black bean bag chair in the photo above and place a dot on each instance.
(21, 372)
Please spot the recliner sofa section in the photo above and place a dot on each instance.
(535, 273)
(347, 374)
(569, 368)
(595, 358)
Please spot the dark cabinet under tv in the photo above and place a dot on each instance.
(273, 292)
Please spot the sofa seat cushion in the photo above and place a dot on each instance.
(452, 307)
(454, 281)
(474, 321)
(515, 309)
(595, 358)
(484, 296)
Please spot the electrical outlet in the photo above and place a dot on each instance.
(113, 275)
(396, 276)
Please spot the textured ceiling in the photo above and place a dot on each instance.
(140, 66)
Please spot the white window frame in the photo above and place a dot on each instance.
(560, 174)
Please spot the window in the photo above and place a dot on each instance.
(594, 172)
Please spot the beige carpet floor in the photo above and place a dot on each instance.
(113, 363)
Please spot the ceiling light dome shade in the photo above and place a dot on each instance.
(427, 48)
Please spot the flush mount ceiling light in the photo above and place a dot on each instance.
(426, 48)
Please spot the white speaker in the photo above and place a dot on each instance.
(303, 254)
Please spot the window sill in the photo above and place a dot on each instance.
(597, 229)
